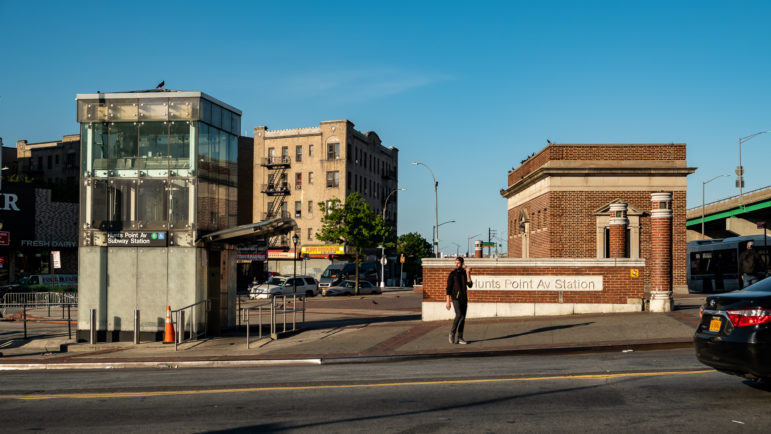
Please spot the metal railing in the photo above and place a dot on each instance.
(22, 302)
(179, 321)
(276, 303)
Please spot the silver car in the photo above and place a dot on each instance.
(348, 287)
(285, 285)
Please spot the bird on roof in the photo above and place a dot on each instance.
(161, 84)
(548, 141)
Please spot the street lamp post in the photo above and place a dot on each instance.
(435, 235)
(740, 169)
(468, 243)
(382, 247)
(436, 241)
(295, 239)
(703, 184)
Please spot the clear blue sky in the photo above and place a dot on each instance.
(469, 88)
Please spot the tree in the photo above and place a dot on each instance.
(353, 223)
(414, 247)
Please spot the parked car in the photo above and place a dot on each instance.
(285, 285)
(734, 333)
(348, 287)
(336, 273)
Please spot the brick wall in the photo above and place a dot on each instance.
(618, 285)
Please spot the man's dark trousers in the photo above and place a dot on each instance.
(460, 307)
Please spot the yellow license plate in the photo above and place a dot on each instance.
(714, 324)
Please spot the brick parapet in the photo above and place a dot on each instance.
(619, 287)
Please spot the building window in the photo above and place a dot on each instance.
(310, 234)
(310, 207)
(285, 154)
(310, 177)
(271, 155)
(333, 151)
(298, 153)
(310, 150)
(333, 179)
(298, 181)
(298, 209)
(50, 164)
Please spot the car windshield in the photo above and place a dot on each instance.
(23, 280)
(276, 281)
(348, 284)
(330, 272)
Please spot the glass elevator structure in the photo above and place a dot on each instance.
(159, 171)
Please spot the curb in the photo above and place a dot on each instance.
(186, 364)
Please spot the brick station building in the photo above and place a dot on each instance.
(591, 228)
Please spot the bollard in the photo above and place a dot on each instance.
(136, 326)
(92, 332)
(181, 327)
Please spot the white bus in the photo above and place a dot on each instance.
(713, 264)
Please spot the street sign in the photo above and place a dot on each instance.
(761, 225)
(5, 238)
(401, 258)
(57, 258)
(634, 272)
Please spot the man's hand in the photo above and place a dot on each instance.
(449, 303)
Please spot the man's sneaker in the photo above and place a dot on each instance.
(452, 339)
(462, 342)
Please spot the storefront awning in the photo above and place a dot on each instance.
(265, 228)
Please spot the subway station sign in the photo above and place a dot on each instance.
(537, 283)
(137, 239)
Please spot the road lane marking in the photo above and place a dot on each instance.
(105, 395)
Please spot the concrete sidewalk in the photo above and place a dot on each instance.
(376, 328)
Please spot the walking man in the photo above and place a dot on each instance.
(457, 282)
(749, 265)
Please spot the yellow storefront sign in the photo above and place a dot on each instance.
(323, 250)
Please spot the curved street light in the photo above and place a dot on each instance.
(382, 247)
(436, 241)
(703, 184)
(740, 169)
(435, 235)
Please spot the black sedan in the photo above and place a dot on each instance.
(734, 334)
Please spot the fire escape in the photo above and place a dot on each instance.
(277, 189)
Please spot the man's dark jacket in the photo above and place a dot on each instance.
(457, 284)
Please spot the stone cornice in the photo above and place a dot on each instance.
(533, 262)
(605, 171)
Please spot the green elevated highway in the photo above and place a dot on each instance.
(731, 217)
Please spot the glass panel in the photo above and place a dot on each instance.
(122, 204)
(99, 140)
(179, 144)
(235, 124)
(216, 115)
(153, 145)
(123, 111)
(179, 204)
(100, 210)
(232, 207)
(226, 120)
(203, 151)
(123, 145)
(222, 206)
(204, 206)
(152, 212)
(153, 110)
(233, 160)
(181, 109)
(223, 169)
(206, 111)
(214, 153)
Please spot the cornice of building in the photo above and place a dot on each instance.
(293, 132)
(664, 170)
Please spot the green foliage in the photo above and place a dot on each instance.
(414, 247)
(352, 223)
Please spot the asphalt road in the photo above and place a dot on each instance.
(637, 391)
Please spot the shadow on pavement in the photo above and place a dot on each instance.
(538, 330)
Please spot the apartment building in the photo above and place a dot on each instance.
(297, 168)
